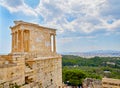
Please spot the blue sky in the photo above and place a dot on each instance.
(82, 25)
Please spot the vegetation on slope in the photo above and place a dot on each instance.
(70, 60)
(96, 67)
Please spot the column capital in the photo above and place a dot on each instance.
(54, 34)
(12, 33)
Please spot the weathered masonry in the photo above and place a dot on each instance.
(110, 83)
(33, 61)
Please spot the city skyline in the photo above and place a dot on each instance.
(81, 25)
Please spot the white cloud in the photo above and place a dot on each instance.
(114, 25)
(56, 12)
(18, 6)
(84, 16)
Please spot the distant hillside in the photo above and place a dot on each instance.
(100, 53)
(95, 67)
(70, 60)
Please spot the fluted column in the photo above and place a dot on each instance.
(22, 48)
(54, 43)
(13, 41)
(18, 48)
(19, 40)
(51, 42)
(26, 40)
(15, 47)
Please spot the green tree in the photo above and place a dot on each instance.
(74, 77)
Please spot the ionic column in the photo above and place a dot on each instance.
(18, 48)
(22, 36)
(20, 40)
(50, 43)
(54, 43)
(17, 41)
(15, 46)
(13, 41)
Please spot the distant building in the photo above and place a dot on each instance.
(110, 83)
(33, 61)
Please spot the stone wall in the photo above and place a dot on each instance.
(12, 72)
(110, 83)
(46, 71)
(92, 83)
